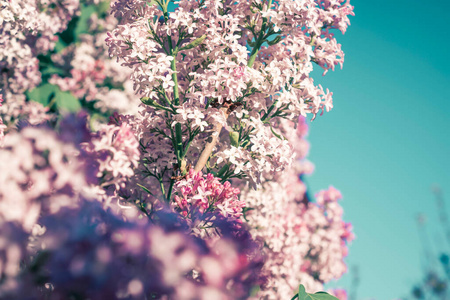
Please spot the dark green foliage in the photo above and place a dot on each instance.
(303, 295)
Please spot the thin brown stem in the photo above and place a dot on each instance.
(211, 142)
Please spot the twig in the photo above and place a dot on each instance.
(211, 143)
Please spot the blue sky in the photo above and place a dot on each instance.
(387, 140)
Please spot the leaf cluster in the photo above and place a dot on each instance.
(303, 295)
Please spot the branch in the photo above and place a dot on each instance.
(211, 143)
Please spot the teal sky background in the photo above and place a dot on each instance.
(387, 139)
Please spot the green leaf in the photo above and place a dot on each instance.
(251, 43)
(222, 171)
(83, 21)
(50, 70)
(234, 138)
(60, 45)
(281, 137)
(274, 41)
(145, 189)
(47, 94)
(102, 7)
(43, 93)
(303, 295)
(68, 35)
(153, 103)
(194, 43)
(254, 290)
(65, 101)
(147, 101)
(78, 25)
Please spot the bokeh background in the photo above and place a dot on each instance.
(387, 140)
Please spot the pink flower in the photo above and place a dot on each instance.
(202, 194)
(239, 71)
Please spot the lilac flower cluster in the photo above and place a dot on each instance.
(90, 253)
(116, 151)
(194, 193)
(35, 164)
(299, 235)
(89, 67)
(27, 29)
(94, 254)
(70, 245)
(200, 198)
(192, 69)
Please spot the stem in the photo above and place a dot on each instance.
(269, 111)
(161, 184)
(51, 103)
(173, 65)
(167, 99)
(142, 208)
(169, 192)
(211, 143)
(259, 41)
(176, 95)
(148, 102)
(176, 92)
(187, 148)
(174, 144)
(257, 46)
(179, 142)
